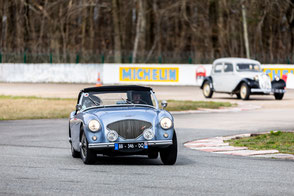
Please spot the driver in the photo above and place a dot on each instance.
(137, 98)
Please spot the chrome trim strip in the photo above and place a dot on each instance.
(268, 90)
(150, 143)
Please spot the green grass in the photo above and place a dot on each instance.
(31, 107)
(275, 140)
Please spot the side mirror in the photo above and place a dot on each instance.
(78, 107)
(163, 104)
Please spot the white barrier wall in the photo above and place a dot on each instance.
(144, 74)
(72, 73)
(155, 74)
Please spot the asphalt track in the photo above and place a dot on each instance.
(35, 155)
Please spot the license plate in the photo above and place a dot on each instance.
(123, 146)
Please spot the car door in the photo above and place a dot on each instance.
(229, 77)
(217, 77)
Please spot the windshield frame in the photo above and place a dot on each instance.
(152, 94)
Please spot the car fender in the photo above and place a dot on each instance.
(209, 79)
(251, 83)
(280, 84)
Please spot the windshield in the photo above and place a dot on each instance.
(248, 67)
(92, 99)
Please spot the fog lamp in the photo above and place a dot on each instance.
(94, 138)
(148, 134)
(112, 136)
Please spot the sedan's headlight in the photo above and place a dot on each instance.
(94, 125)
(277, 78)
(166, 123)
(256, 78)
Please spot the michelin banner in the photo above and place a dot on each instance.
(155, 74)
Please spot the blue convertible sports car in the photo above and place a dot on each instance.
(121, 120)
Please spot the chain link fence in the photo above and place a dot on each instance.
(165, 58)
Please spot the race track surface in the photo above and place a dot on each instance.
(35, 154)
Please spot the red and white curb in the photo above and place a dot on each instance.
(240, 107)
(217, 145)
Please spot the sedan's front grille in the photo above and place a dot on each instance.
(129, 129)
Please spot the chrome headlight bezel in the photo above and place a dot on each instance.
(166, 123)
(277, 78)
(94, 125)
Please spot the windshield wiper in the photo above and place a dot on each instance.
(97, 104)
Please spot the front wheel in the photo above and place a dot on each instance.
(87, 155)
(169, 155)
(279, 96)
(207, 91)
(244, 91)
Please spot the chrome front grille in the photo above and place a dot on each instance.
(265, 82)
(129, 129)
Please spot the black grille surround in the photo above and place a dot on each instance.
(129, 129)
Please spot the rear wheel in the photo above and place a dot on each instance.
(207, 91)
(244, 91)
(87, 155)
(279, 96)
(169, 155)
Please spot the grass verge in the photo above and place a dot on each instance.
(20, 107)
(281, 141)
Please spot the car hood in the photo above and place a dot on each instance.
(250, 74)
(113, 114)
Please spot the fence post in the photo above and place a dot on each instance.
(50, 58)
(159, 59)
(130, 59)
(25, 57)
(78, 58)
(102, 59)
(0, 57)
(190, 60)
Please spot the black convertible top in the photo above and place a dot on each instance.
(117, 88)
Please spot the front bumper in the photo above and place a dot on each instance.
(267, 91)
(111, 145)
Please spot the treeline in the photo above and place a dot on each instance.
(171, 31)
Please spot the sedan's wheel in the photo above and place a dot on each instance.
(169, 155)
(87, 155)
(244, 91)
(74, 153)
(207, 91)
(279, 96)
(153, 155)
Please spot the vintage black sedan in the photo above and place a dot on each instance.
(121, 120)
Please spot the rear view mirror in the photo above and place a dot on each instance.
(164, 104)
(78, 107)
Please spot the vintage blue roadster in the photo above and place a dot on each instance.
(121, 120)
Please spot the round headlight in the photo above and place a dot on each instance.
(256, 78)
(166, 123)
(277, 78)
(112, 136)
(148, 134)
(94, 125)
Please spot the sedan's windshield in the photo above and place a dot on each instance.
(248, 67)
(109, 98)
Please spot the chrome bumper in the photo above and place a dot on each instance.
(150, 143)
(267, 91)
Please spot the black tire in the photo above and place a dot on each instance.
(244, 91)
(87, 155)
(153, 155)
(279, 96)
(74, 153)
(168, 155)
(206, 90)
